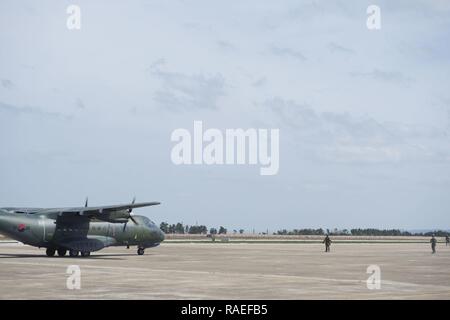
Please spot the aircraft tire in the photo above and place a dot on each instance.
(61, 252)
(50, 252)
(140, 251)
(85, 253)
(73, 253)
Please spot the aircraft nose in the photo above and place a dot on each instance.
(162, 236)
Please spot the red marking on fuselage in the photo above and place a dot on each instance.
(21, 227)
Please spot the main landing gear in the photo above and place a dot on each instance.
(73, 253)
(85, 253)
(140, 251)
(62, 252)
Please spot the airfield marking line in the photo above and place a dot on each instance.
(356, 281)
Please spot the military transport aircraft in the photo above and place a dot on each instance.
(81, 230)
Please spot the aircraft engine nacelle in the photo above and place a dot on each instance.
(116, 216)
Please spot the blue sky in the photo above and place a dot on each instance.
(364, 116)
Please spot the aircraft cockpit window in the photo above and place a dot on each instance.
(148, 222)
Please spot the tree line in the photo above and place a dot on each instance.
(361, 232)
(180, 228)
(197, 229)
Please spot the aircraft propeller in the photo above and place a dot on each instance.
(131, 210)
(130, 215)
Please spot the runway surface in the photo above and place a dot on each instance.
(230, 271)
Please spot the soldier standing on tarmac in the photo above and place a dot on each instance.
(327, 242)
(433, 242)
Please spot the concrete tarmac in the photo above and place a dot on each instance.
(230, 271)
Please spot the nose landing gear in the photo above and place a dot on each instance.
(140, 251)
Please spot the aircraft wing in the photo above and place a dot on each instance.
(91, 212)
(101, 209)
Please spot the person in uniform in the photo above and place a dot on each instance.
(327, 242)
(433, 242)
(447, 240)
